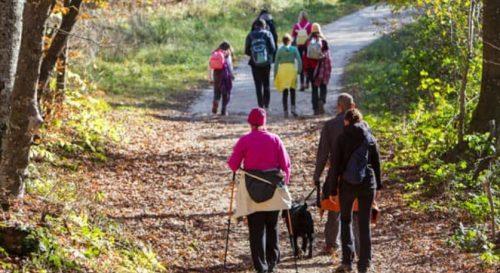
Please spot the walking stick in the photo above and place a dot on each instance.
(318, 195)
(229, 218)
(290, 231)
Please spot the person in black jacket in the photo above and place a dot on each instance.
(268, 18)
(356, 133)
(260, 47)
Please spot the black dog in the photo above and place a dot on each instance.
(302, 225)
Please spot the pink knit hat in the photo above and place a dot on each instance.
(257, 117)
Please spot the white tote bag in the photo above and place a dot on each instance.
(281, 200)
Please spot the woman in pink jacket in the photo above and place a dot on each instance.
(260, 150)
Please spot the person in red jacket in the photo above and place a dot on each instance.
(300, 33)
(317, 64)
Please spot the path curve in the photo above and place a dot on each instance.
(346, 36)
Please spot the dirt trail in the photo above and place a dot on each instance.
(168, 184)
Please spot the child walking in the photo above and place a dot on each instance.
(220, 73)
(287, 65)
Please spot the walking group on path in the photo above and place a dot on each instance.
(305, 52)
(346, 145)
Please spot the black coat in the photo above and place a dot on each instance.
(347, 142)
(260, 33)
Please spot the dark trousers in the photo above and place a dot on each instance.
(263, 229)
(261, 78)
(318, 92)
(218, 92)
(365, 195)
(303, 76)
(285, 98)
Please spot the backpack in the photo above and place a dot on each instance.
(302, 35)
(314, 49)
(260, 54)
(357, 169)
(217, 60)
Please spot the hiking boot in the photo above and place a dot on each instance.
(321, 107)
(328, 250)
(294, 112)
(368, 269)
(344, 268)
(215, 106)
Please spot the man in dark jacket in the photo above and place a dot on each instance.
(260, 47)
(268, 18)
(326, 149)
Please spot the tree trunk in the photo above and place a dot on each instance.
(11, 12)
(61, 70)
(488, 107)
(24, 117)
(463, 88)
(58, 42)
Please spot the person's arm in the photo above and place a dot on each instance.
(322, 154)
(248, 41)
(294, 31)
(272, 28)
(335, 172)
(299, 60)
(284, 161)
(375, 162)
(230, 65)
(234, 161)
(277, 62)
(210, 74)
(271, 44)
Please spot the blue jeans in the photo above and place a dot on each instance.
(365, 195)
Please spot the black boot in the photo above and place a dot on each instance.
(215, 106)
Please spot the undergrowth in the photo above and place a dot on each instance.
(68, 232)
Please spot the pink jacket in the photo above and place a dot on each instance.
(260, 150)
(302, 24)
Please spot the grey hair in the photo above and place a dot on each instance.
(302, 14)
(345, 100)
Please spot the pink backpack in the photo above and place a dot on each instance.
(217, 60)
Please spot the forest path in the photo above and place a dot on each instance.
(168, 184)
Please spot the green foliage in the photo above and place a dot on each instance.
(409, 83)
(165, 51)
(470, 239)
(82, 125)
